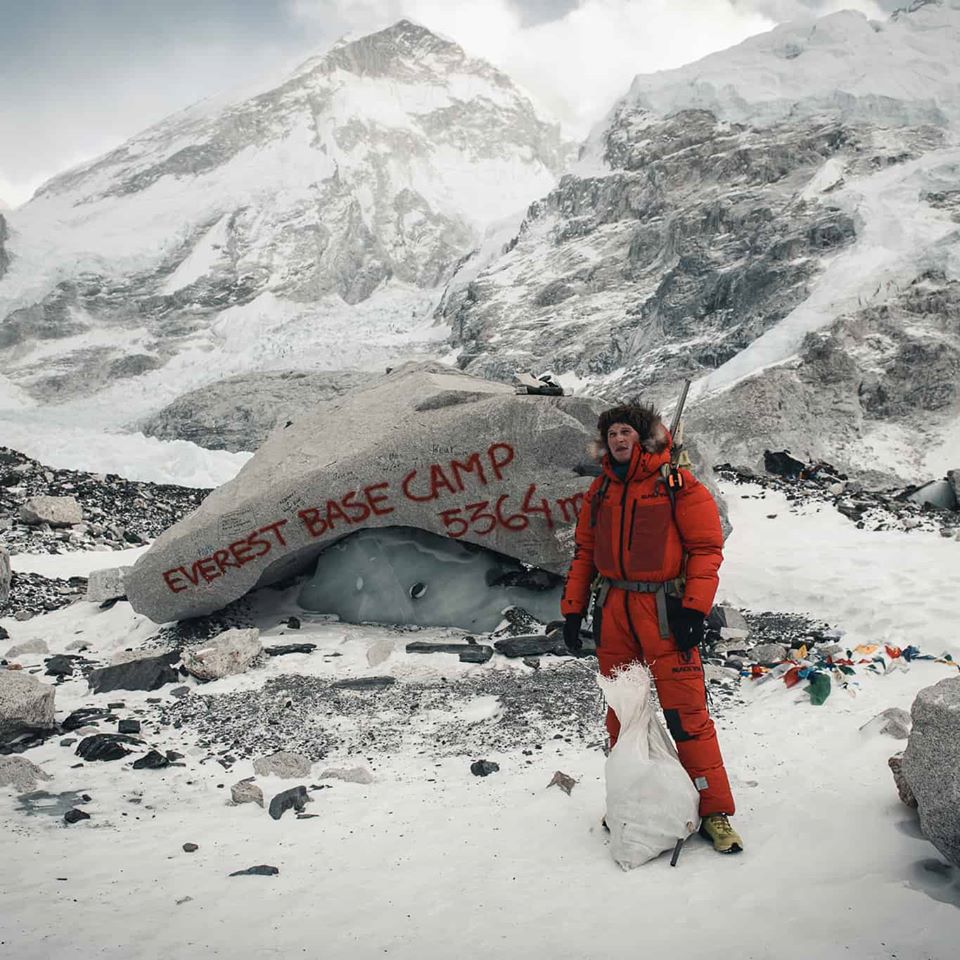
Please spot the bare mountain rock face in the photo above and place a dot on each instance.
(238, 413)
(778, 221)
(311, 221)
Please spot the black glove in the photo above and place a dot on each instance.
(686, 625)
(571, 632)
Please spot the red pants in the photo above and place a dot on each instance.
(630, 631)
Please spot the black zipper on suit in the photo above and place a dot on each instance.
(623, 566)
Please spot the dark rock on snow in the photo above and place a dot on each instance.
(483, 768)
(282, 649)
(151, 761)
(149, 673)
(261, 870)
(295, 797)
(105, 746)
(75, 815)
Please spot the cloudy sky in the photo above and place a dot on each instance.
(80, 76)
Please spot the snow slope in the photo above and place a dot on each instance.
(429, 859)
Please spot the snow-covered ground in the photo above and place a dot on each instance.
(429, 860)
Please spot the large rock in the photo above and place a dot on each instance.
(953, 478)
(106, 584)
(238, 413)
(21, 774)
(226, 654)
(5, 574)
(425, 446)
(931, 764)
(26, 705)
(56, 511)
(143, 673)
(283, 764)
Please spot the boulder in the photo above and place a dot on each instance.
(35, 646)
(425, 446)
(246, 792)
(228, 653)
(931, 764)
(55, 511)
(283, 764)
(144, 673)
(348, 774)
(106, 584)
(21, 774)
(26, 705)
(938, 493)
(903, 788)
(5, 574)
(953, 478)
(769, 653)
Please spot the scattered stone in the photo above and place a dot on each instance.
(531, 645)
(246, 792)
(769, 653)
(61, 665)
(75, 815)
(184, 900)
(782, 464)
(532, 662)
(931, 764)
(180, 692)
(106, 584)
(151, 761)
(561, 780)
(364, 683)
(145, 673)
(282, 649)
(54, 511)
(227, 654)
(26, 705)
(128, 726)
(190, 848)
(380, 651)
(68, 741)
(283, 764)
(483, 768)
(293, 623)
(903, 788)
(37, 646)
(21, 774)
(295, 797)
(173, 756)
(476, 653)
(104, 746)
(893, 722)
(261, 870)
(86, 715)
(116, 705)
(348, 774)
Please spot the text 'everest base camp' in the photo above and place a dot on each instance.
(424, 529)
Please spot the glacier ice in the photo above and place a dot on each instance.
(411, 576)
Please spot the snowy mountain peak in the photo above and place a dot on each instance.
(249, 226)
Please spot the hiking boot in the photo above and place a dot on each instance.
(716, 828)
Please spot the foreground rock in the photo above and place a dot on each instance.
(246, 792)
(21, 774)
(106, 584)
(228, 653)
(54, 511)
(425, 447)
(26, 705)
(283, 764)
(145, 673)
(931, 764)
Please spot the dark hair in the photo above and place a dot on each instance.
(641, 416)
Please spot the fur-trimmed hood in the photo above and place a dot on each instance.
(654, 436)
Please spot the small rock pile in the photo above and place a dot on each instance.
(868, 509)
(90, 510)
(31, 594)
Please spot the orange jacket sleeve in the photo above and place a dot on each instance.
(576, 591)
(699, 523)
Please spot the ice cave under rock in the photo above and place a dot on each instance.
(411, 576)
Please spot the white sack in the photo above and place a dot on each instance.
(651, 802)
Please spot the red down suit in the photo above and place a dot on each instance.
(634, 533)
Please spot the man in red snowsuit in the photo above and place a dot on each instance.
(658, 555)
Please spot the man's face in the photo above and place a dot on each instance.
(621, 439)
